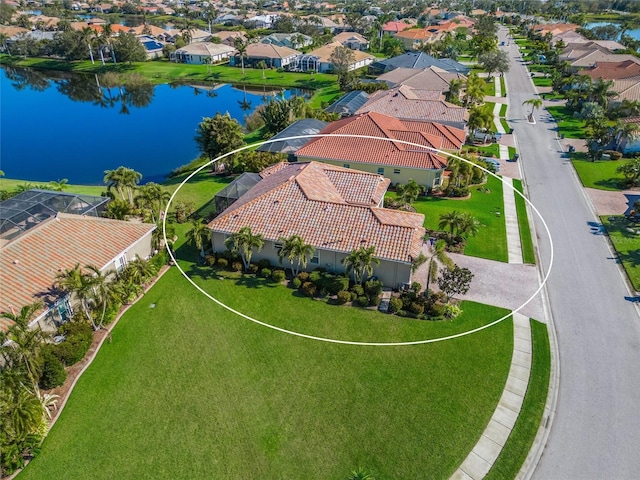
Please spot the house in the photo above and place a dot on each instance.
(61, 241)
(301, 128)
(323, 23)
(349, 103)
(431, 78)
(414, 38)
(627, 145)
(272, 55)
(394, 27)
(582, 55)
(229, 19)
(151, 46)
(261, 21)
(322, 59)
(335, 209)
(417, 60)
(413, 104)
(197, 35)
(291, 40)
(229, 38)
(202, 53)
(612, 70)
(147, 29)
(352, 40)
(400, 162)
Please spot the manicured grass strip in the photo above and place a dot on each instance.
(600, 174)
(528, 255)
(188, 390)
(12, 184)
(568, 125)
(542, 82)
(512, 151)
(505, 125)
(489, 150)
(626, 243)
(503, 110)
(491, 240)
(524, 432)
(490, 88)
(503, 88)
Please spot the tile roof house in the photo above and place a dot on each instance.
(322, 57)
(273, 55)
(30, 262)
(352, 40)
(202, 53)
(335, 209)
(390, 157)
(394, 27)
(228, 37)
(407, 103)
(629, 145)
(418, 60)
(432, 78)
(300, 128)
(414, 38)
(612, 70)
(582, 55)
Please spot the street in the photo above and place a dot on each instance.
(596, 431)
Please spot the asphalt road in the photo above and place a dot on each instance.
(596, 432)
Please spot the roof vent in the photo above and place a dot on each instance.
(16, 262)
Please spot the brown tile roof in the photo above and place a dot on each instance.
(345, 36)
(626, 89)
(413, 104)
(416, 34)
(292, 201)
(30, 263)
(324, 53)
(364, 150)
(612, 70)
(268, 50)
(432, 78)
(395, 26)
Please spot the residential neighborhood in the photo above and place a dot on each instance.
(291, 239)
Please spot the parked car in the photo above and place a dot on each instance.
(492, 161)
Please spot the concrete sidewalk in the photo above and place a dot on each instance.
(485, 453)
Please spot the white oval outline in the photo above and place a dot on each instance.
(349, 342)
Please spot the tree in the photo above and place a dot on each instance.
(262, 65)
(241, 45)
(284, 25)
(494, 61)
(467, 225)
(152, 197)
(409, 193)
(361, 261)
(474, 90)
(124, 180)
(254, 161)
(219, 135)
(102, 292)
(450, 220)
(60, 185)
(455, 281)
(277, 115)
(129, 49)
(118, 209)
(199, 234)
(438, 254)
(295, 249)
(342, 58)
(243, 243)
(74, 282)
(479, 118)
(631, 171)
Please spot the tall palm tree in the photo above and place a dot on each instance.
(101, 292)
(295, 248)
(241, 46)
(199, 234)
(361, 261)
(479, 118)
(468, 225)
(474, 91)
(244, 242)
(438, 254)
(107, 33)
(450, 220)
(75, 282)
(535, 104)
(152, 196)
(263, 65)
(124, 180)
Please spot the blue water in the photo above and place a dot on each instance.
(632, 33)
(44, 135)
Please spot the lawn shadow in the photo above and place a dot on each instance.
(610, 183)
(204, 272)
(250, 281)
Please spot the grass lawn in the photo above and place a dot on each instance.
(187, 390)
(11, 184)
(503, 110)
(524, 432)
(627, 245)
(505, 125)
(503, 89)
(491, 240)
(512, 151)
(568, 125)
(490, 88)
(325, 96)
(600, 174)
(486, 150)
(528, 255)
(542, 82)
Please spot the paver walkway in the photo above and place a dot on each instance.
(498, 86)
(496, 118)
(514, 246)
(484, 454)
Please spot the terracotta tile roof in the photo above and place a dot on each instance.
(324, 53)
(423, 34)
(396, 26)
(413, 104)
(612, 70)
(453, 137)
(281, 207)
(626, 89)
(30, 263)
(364, 150)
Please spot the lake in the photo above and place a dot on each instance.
(58, 125)
(635, 34)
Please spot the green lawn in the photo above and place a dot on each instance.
(503, 88)
(524, 432)
(505, 125)
(568, 125)
(489, 150)
(325, 96)
(490, 88)
(188, 390)
(12, 184)
(542, 82)
(512, 151)
(491, 240)
(503, 110)
(627, 245)
(528, 255)
(600, 174)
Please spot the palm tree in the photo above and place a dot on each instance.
(361, 262)
(199, 234)
(107, 32)
(263, 65)
(101, 292)
(123, 179)
(438, 254)
(241, 46)
(450, 220)
(409, 193)
(623, 131)
(188, 27)
(243, 242)
(467, 225)
(295, 248)
(152, 196)
(479, 118)
(474, 91)
(73, 281)
(139, 270)
(535, 103)
(60, 185)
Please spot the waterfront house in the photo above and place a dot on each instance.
(272, 55)
(202, 53)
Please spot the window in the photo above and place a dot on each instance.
(120, 262)
(346, 165)
(277, 246)
(380, 171)
(438, 179)
(396, 171)
(315, 259)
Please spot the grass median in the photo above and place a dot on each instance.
(528, 255)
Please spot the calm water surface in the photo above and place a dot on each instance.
(55, 125)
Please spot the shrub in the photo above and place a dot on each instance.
(278, 276)
(210, 260)
(354, 296)
(362, 301)
(316, 277)
(337, 284)
(296, 283)
(459, 192)
(343, 297)
(160, 259)
(451, 311)
(436, 310)
(395, 305)
(264, 263)
(253, 268)
(53, 372)
(236, 266)
(358, 290)
(416, 308)
(222, 262)
(416, 287)
(72, 350)
(374, 301)
(308, 289)
(303, 276)
(265, 272)
(111, 312)
(373, 288)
